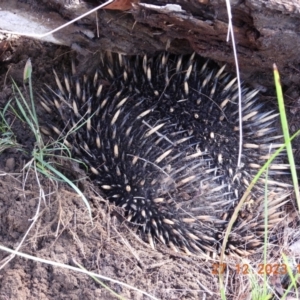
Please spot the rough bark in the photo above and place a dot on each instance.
(266, 32)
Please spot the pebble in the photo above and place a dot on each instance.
(10, 164)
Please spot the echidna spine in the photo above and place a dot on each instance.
(160, 136)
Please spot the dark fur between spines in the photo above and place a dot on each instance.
(160, 136)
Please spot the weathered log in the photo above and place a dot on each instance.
(265, 31)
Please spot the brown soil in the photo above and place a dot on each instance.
(63, 232)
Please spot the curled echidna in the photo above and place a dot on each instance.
(161, 135)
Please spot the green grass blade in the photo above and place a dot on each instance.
(286, 134)
(293, 278)
(28, 76)
(64, 178)
(265, 231)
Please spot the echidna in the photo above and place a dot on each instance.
(161, 135)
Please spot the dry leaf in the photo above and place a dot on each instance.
(120, 4)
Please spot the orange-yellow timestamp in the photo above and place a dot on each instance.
(244, 269)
